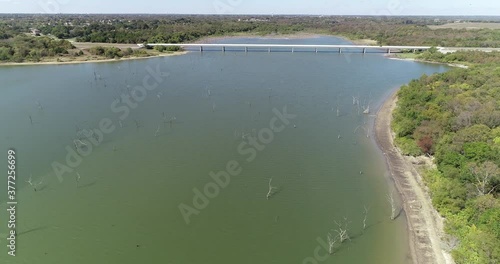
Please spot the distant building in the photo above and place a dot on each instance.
(35, 32)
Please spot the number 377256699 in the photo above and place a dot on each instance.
(11, 174)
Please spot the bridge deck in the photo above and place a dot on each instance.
(286, 46)
(339, 48)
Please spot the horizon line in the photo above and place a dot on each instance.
(215, 14)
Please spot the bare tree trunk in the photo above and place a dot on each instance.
(40, 107)
(485, 174)
(157, 131)
(364, 219)
(78, 177)
(341, 230)
(271, 188)
(331, 243)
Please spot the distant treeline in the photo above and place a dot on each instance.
(455, 117)
(176, 29)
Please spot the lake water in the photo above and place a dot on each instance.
(125, 206)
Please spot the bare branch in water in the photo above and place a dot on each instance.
(271, 189)
(366, 216)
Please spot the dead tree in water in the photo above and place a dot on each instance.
(342, 235)
(38, 184)
(171, 121)
(157, 131)
(355, 101)
(338, 108)
(364, 219)
(78, 144)
(40, 107)
(30, 182)
(342, 230)
(271, 189)
(366, 110)
(331, 243)
(78, 177)
(34, 185)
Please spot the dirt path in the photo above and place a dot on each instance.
(424, 223)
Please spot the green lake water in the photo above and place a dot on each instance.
(125, 207)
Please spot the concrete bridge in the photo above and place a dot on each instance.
(292, 47)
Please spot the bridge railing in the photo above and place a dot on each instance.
(292, 47)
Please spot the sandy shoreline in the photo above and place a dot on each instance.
(423, 221)
(391, 57)
(89, 61)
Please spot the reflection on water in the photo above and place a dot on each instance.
(211, 116)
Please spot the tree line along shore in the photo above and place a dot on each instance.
(454, 119)
(38, 38)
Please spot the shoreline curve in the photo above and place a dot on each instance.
(423, 222)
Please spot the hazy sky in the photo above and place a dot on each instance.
(325, 7)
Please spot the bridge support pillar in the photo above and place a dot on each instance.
(223, 49)
(246, 49)
(269, 50)
(364, 50)
(389, 51)
(340, 50)
(316, 50)
(201, 48)
(293, 50)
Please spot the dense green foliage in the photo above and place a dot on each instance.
(22, 48)
(393, 32)
(17, 46)
(168, 49)
(455, 116)
(460, 57)
(116, 53)
(185, 28)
